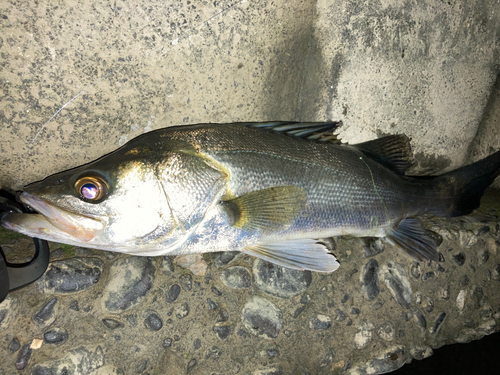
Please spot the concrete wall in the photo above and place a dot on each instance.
(425, 69)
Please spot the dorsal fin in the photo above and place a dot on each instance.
(318, 131)
(393, 151)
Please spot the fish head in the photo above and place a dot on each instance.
(110, 204)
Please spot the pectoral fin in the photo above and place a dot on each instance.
(302, 254)
(266, 210)
(419, 243)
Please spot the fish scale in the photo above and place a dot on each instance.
(272, 190)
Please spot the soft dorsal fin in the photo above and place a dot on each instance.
(393, 151)
(266, 210)
(318, 131)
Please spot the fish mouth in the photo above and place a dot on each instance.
(52, 223)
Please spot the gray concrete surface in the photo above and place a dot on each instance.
(424, 69)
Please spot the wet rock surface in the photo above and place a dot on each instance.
(244, 315)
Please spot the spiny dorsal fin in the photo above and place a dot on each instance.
(419, 243)
(266, 210)
(393, 151)
(318, 131)
(301, 254)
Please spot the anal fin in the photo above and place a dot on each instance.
(301, 254)
(419, 243)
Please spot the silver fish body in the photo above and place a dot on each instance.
(260, 188)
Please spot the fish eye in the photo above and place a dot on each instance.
(91, 188)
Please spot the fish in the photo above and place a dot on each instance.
(272, 190)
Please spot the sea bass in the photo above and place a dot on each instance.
(271, 190)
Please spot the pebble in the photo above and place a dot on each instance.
(428, 276)
(167, 266)
(369, 280)
(373, 246)
(478, 297)
(141, 366)
(130, 279)
(24, 357)
(299, 311)
(112, 324)
(173, 293)
(71, 275)
(397, 282)
(216, 291)
(196, 344)
(211, 304)
(363, 336)
(461, 300)
(191, 365)
(223, 258)
(152, 321)
(132, 319)
(467, 238)
(459, 259)
(280, 281)
(386, 331)
(320, 322)
(222, 316)
(272, 352)
(14, 345)
(193, 262)
(328, 358)
(436, 326)
(182, 311)
(222, 331)
(262, 318)
(419, 318)
(167, 343)
(483, 256)
(47, 314)
(74, 306)
(55, 336)
(85, 360)
(421, 352)
(340, 315)
(236, 277)
(214, 352)
(186, 282)
(389, 360)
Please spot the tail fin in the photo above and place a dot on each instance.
(469, 183)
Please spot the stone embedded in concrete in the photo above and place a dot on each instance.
(262, 318)
(193, 262)
(369, 280)
(186, 282)
(279, 281)
(55, 336)
(364, 334)
(173, 293)
(129, 281)
(14, 345)
(396, 280)
(24, 357)
(236, 277)
(320, 322)
(182, 311)
(112, 323)
(152, 321)
(71, 275)
(47, 313)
